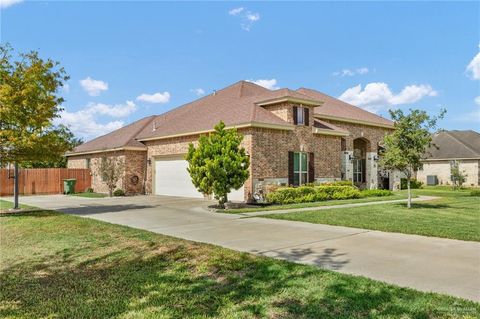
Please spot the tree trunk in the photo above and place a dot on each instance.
(15, 187)
(222, 201)
(110, 192)
(409, 201)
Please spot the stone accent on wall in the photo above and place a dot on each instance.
(347, 165)
(394, 179)
(371, 170)
(372, 134)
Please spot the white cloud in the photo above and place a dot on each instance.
(477, 100)
(377, 96)
(235, 11)
(268, 84)
(198, 91)
(473, 68)
(363, 70)
(154, 98)
(117, 110)
(248, 18)
(412, 94)
(349, 72)
(8, 3)
(85, 124)
(93, 87)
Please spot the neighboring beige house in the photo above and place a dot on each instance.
(292, 136)
(449, 148)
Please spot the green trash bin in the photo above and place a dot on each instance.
(69, 186)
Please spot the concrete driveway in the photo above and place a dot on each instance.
(424, 263)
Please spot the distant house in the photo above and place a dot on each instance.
(293, 137)
(450, 148)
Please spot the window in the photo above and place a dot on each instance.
(300, 116)
(87, 163)
(358, 167)
(300, 169)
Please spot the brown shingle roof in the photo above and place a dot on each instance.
(336, 108)
(328, 126)
(287, 93)
(455, 145)
(233, 105)
(123, 137)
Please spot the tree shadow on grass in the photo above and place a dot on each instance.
(431, 205)
(178, 279)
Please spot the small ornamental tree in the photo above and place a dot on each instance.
(219, 164)
(458, 177)
(111, 170)
(406, 146)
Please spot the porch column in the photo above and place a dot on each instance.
(394, 180)
(347, 165)
(372, 170)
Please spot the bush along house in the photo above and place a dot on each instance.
(293, 137)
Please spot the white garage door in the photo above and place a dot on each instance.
(172, 179)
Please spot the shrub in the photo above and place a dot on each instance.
(414, 184)
(89, 190)
(375, 193)
(475, 192)
(306, 194)
(118, 192)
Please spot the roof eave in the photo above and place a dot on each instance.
(450, 159)
(289, 99)
(107, 150)
(320, 131)
(347, 120)
(286, 127)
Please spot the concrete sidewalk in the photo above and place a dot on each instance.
(307, 209)
(424, 263)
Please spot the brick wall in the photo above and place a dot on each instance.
(134, 166)
(372, 134)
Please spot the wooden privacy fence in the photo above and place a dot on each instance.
(44, 180)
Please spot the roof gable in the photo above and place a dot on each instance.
(335, 108)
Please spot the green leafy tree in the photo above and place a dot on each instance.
(60, 161)
(29, 102)
(458, 177)
(405, 148)
(219, 164)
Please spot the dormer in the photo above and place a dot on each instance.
(292, 107)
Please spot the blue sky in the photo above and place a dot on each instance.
(128, 60)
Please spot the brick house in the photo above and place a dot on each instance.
(449, 148)
(292, 136)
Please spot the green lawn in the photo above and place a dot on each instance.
(62, 266)
(90, 195)
(456, 215)
(4, 204)
(395, 196)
